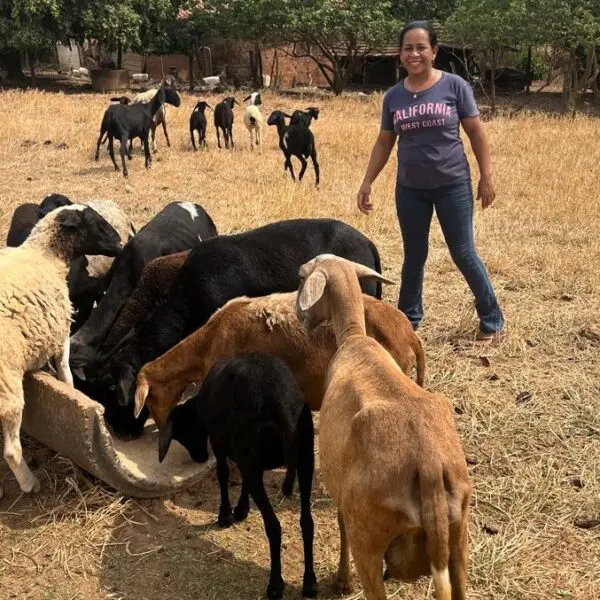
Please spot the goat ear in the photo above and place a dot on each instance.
(312, 291)
(141, 393)
(70, 219)
(79, 373)
(363, 271)
(164, 439)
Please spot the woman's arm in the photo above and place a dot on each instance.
(379, 157)
(481, 148)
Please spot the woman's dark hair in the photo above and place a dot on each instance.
(420, 25)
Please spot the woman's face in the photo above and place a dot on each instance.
(416, 54)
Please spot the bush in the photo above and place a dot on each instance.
(539, 68)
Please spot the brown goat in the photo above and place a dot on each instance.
(267, 325)
(389, 451)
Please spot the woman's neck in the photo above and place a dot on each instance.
(417, 81)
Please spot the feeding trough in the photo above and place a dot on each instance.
(69, 422)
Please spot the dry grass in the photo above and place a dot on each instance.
(529, 415)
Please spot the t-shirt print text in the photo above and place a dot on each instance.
(408, 118)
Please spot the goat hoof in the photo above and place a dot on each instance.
(341, 588)
(225, 520)
(275, 590)
(240, 513)
(309, 588)
(32, 486)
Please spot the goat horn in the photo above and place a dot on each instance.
(364, 271)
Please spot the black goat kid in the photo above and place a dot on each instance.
(125, 121)
(296, 140)
(252, 411)
(198, 123)
(224, 120)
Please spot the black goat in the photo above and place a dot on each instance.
(27, 215)
(224, 120)
(252, 411)
(125, 121)
(304, 116)
(295, 140)
(198, 123)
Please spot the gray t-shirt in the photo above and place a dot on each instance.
(430, 151)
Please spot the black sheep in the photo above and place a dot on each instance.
(198, 123)
(224, 120)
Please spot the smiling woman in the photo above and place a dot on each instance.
(425, 110)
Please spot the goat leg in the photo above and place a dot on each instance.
(240, 512)
(313, 156)
(122, 152)
(111, 151)
(306, 466)
(147, 152)
(303, 169)
(231, 136)
(98, 144)
(164, 126)
(193, 141)
(272, 529)
(343, 582)
(218, 137)
(225, 518)
(288, 162)
(153, 129)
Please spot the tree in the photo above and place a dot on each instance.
(571, 27)
(335, 34)
(417, 10)
(30, 25)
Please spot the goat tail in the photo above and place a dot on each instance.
(435, 521)
(420, 358)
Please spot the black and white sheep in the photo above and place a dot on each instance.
(128, 121)
(254, 263)
(253, 119)
(251, 410)
(223, 114)
(26, 216)
(198, 123)
(177, 227)
(295, 140)
(88, 275)
(35, 311)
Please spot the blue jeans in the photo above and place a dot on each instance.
(454, 208)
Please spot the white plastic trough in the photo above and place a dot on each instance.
(69, 422)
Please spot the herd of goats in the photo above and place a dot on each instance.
(229, 342)
(127, 119)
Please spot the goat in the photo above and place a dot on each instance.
(304, 117)
(253, 413)
(389, 452)
(295, 140)
(198, 123)
(124, 121)
(268, 325)
(252, 263)
(223, 114)
(253, 119)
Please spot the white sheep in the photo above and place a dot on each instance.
(35, 311)
(253, 119)
(390, 455)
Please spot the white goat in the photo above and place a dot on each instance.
(253, 119)
(35, 311)
(390, 455)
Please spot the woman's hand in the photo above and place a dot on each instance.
(485, 191)
(363, 198)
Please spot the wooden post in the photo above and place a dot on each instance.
(529, 57)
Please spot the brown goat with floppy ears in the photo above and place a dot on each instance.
(268, 325)
(390, 455)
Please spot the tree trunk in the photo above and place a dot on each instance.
(493, 66)
(569, 84)
(119, 56)
(31, 61)
(529, 76)
(260, 64)
(191, 76)
(11, 60)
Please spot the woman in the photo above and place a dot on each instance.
(424, 111)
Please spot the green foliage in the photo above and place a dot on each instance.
(539, 67)
(416, 10)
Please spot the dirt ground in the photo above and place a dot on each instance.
(528, 410)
